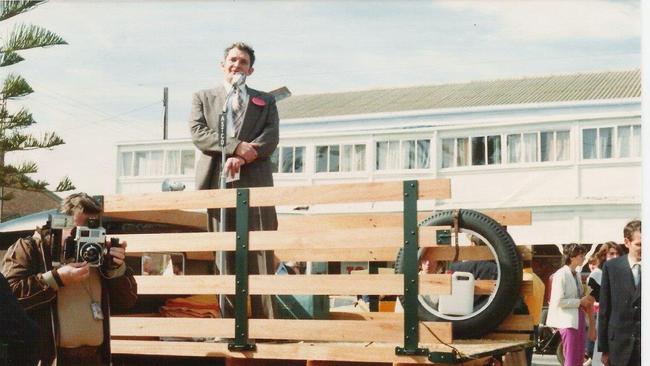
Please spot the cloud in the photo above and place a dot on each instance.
(556, 20)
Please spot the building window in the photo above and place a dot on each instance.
(340, 158)
(527, 147)
(611, 142)
(148, 163)
(187, 162)
(126, 164)
(554, 145)
(403, 154)
(289, 159)
(478, 150)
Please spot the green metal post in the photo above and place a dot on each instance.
(411, 325)
(241, 274)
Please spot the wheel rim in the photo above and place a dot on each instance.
(429, 303)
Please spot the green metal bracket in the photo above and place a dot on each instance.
(443, 357)
(411, 324)
(241, 275)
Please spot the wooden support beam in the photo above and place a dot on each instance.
(276, 196)
(356, 352)
(380, 284)
(383, 220)
(391, 331)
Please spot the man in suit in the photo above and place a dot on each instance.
(619, 328)
(252, 136)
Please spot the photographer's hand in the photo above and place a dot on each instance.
(74, 272)
(118, 254)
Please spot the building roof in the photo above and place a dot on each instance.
(26, 202)
(545, 89)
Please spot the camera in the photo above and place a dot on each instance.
(88, 243)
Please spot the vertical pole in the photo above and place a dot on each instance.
(166, 105)
(241, 274)
(411, 321)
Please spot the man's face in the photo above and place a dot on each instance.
(634, 245)
(236, 61)
(80, 218)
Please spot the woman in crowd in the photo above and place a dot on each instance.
(568, 305)
(608, 250)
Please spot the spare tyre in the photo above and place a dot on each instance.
(489, 311)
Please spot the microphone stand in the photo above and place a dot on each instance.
(227, 110)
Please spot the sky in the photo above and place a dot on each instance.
(106, 85)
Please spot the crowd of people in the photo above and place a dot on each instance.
(602, 317)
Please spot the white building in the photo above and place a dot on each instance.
(566, 147)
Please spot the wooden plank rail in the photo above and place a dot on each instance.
(380, 284)
(298, 222)
(276, 196)
(377, 284)
(383, 220)
(391, 330)
(356, 352)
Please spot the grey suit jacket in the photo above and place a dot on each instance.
(619, 322)
(261, 125)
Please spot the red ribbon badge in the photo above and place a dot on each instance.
(258, 101)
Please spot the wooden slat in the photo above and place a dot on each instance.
(517, 323)
(373, 220)
(379, 284)
(363, 352)
(290, 222)
(275, 240)
(381, 254)
(384, 284)
(276, 196)
(508, 336)
(312, 330)
(197, 220)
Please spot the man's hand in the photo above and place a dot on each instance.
(605, 358)
(247, 151)
(74, 272)
(233, 164)
(118, 254)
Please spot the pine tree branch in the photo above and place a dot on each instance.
(10, 58)
(15, 86)
(12, 8)
(20, 120)
(48, 140)
(65, 185)
(26, 36)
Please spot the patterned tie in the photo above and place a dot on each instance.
(237, 111)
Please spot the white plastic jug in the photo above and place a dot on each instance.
(461, 300)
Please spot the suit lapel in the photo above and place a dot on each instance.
(252, 114)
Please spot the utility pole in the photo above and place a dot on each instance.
(166, 106)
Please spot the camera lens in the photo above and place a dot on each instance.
(91, 253)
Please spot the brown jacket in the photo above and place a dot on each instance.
(24, 265)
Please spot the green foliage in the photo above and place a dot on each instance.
(24, 37)
(13, 124)
(12, 8)
(15, 86)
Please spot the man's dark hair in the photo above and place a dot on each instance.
(242, 47)
(571, 251)
(631, 227)
(80, 203)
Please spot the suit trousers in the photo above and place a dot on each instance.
(259, 262)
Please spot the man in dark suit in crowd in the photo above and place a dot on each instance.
(252, 136)
(619, 328)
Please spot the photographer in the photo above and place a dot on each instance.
(70, 302)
